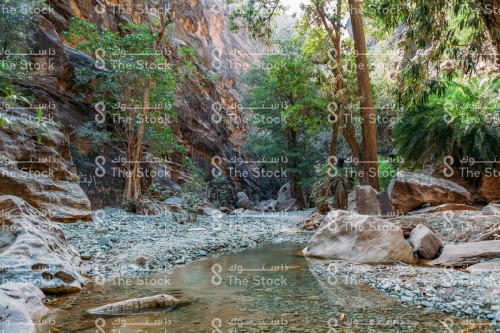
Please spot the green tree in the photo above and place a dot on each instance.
(464, 124)
(263, 12)
(430, 33)
(134, 75)
(288, 111)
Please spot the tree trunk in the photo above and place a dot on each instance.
(490, 12)
(335, 40)
(294, 186)
(369, 126)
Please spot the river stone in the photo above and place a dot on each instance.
(409, 191)
(484, 267)
(212, 212)
(288, 205)
(460, 255)
(364, 201)
(425, 242)
(358, 238)
(243, 201)
(21, 304)
(35, 250)
(492, 208)
(444, 207)
(267, 206)
(164, 302)
(408, 223)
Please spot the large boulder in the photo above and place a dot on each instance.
(364, 200)
(35, 250)
(43, 173)
(21, 304)
(243, 201)
(285, 192)
(267, 206)
(285, 206)
(460, 255)
(409, 191)
(425, 242)
(358, 238)
(443, 208)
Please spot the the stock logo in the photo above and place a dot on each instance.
(448, 221)
(217, 115)
(100, 108)
(332, 59)
(332, 166)
(100, 63)
(332, 325)
(217, 61)
(100, 323)
(99, 162)
(217, 163)
(99, 278)
(215, 10)
(449, 117)
(217, 325)
(332, 112)
(216, 278)
(100, 8)
(448, 324)
(448, 163)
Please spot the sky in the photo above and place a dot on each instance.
(293, 4)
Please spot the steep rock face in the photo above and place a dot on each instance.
(33, 250)
(42, 173)
(208, 123)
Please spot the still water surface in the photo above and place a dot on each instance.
(265, 289)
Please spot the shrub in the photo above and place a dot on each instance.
(462, 124)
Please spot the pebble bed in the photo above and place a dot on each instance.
(119, 243)
(475, 296)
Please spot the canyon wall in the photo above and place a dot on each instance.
(209, 123)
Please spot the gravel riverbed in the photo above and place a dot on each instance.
(119, 243)
(475, 296)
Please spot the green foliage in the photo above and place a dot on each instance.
(433, 32)
(463, 124)
(386, 172)
(218, 190)
(14, 24)
(331, 186)
(256, 15)
(193, 192)
(92, 131)
(132, 206)
(129, 65)
(11, 100)
(287, 96)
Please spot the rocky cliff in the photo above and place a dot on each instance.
(208, 123)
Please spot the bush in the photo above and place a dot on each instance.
(463, 123)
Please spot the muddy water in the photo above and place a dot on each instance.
(266, 289)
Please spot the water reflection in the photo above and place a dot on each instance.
(267, 289)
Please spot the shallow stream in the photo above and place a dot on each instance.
(266, 289)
